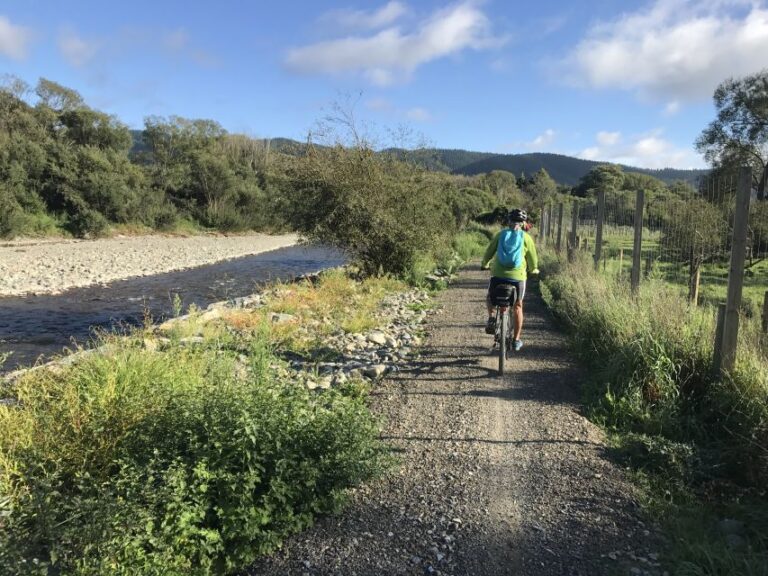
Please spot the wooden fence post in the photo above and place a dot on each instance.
(638, 244)
(736, 271)
(621, 262)
(599, 233)
(765, 313)
(573, 243)
(694, 278)
(717, 355)
(559, 227)
(543, 229)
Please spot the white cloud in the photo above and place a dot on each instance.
(675, 50)
(360, 19)
(672, 108)
(542, 140)
(76, 51)
(418, 115)
(650, 150)
(14, 39)
(540, 143)
(379, 105)
(392, 55)
(608, 138)
(384, 106)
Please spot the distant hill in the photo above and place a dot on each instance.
(565, 170)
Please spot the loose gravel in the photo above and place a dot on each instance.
(49, 267)
(494, 475)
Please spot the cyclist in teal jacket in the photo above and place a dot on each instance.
(517, 275)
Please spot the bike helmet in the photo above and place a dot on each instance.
(517, 215)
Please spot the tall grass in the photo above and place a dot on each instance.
(138, 461)
(701, 437)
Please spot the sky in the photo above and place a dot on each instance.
(625, 81)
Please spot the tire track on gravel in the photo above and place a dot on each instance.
(496, 475)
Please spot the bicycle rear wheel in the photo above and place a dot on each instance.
(503, 337)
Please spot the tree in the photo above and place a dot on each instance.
(739, 134)
(605, 177)
(502, 184)
(542, 188)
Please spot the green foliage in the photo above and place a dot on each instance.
(697, 230)
(603, 177)
(166, 463)
(382, 211)
(541, 188)
(739, 135)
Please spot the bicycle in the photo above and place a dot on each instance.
(503, 297)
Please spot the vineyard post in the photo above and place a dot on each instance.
(736, 271)
(621, 262)
(573, 244)
(550, 214)
(694, 279)
(559, 227)
(599, 234)
(765, 313)
(638, 244)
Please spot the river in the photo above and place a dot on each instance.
(35, 328)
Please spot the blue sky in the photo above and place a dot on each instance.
(622, 81)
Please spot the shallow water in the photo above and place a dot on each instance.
(34, 328)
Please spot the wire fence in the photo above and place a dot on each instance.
(687, 239)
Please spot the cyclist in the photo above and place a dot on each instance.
(510, 254)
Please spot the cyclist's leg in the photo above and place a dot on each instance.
(517, 310)
(490, 324)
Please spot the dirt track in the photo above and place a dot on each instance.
(496, 475)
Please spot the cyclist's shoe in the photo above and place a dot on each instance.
(517, 345)
(490, 326)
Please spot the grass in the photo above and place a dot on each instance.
(185, 458)
(698, 443)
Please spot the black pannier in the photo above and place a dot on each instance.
(503, 294)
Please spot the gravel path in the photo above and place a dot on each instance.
(495, 475)
(49, 267)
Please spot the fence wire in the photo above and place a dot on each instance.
(686, 238)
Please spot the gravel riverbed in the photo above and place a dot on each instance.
(50, 267)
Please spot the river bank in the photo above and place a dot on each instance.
(51, 267)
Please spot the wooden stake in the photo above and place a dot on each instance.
(736, 270)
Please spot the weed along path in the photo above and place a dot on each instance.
(493, 476)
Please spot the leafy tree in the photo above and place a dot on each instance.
(695, 230)
(58, 97)
(739, 134)
(542, 188)
(605, 177)
(503, 186)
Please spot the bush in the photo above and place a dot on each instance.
(165, 463)
(382, 212)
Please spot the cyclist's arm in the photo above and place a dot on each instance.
(531, 258)
(490, 251)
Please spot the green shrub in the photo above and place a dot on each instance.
(165, 463)
(470, 244)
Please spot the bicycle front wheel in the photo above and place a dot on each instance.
(503, 336)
